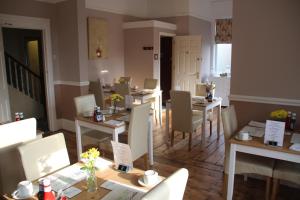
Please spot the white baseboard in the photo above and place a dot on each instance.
(266, 100)
(66, 124)
(69, 125)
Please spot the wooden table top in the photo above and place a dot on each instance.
(107, 117)
(259, 143)
(130, 179)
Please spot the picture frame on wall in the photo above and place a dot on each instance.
(97, 38)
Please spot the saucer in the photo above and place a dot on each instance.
(238, 138)
(141, 182)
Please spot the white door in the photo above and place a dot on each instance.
(186, 62)
(4, 98)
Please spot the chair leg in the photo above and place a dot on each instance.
(183, 135)
(210, 128)
(146, 163)
(190, 141)
(225, 185)
(172, 138)
(275, 188)
(268, 187)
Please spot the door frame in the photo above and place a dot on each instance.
(160, 35)
(23, 22)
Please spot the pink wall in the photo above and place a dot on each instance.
(265, 55)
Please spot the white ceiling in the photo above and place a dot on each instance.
(204, 9)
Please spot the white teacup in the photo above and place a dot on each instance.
(150, 177)
(24, 189)
(244, 136)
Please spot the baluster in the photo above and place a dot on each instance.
(19, 77)
(13, 73)
(24, 77)
(7, 64)
(30, 84)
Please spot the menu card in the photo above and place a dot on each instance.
(274, 133)
(122, 154)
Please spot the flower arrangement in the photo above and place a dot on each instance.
(116, 98)
(210, 91)
(280, 114)
(89, 157)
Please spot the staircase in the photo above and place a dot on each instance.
(26, 91)
(20, 77)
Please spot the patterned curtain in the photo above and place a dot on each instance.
(223, 31)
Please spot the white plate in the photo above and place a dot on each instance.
(35, 191)
(141, 182)
(238, 138)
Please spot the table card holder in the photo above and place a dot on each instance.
(274, 133)
(122, 155)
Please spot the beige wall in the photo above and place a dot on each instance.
(138, 62)
(266, 46)
(203, 28)
(115, 61)
(265, 54)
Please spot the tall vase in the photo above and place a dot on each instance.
(91, 180)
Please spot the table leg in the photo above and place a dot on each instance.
(150, 141)
(219, 121)
(231, 171)
(115, 136)
(78, 139)
(160, 109)
(203, 134)
(168, 105)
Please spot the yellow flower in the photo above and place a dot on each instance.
(279, 114)
(116, 97)
(89, 158)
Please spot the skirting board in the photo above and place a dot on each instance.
(69, 125)
(266, 100)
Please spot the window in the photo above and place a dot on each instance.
(223, 36)
(222, 59)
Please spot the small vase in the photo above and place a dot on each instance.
(91, 181)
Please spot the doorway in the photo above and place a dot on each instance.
(24, 64)
(165, 67)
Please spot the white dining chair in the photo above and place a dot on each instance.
(285, 171)
(245, 163)
(183, 117)
(138, 132)
(13, 135)
(151, 84)
(43, 156)
(125, 79)
(96, 88)
(201, 91)
(84, 104)
(122, 89)
(172, 188)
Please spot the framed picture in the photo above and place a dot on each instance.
(97, 38)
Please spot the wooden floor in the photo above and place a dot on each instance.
(205, 167)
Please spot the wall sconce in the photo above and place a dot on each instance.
(98, 52)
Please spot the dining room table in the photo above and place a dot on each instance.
(109, 181)
(256, 146)
(199, 103)
(142, 95)
(120, 121)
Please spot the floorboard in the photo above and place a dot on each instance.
(205, 167)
